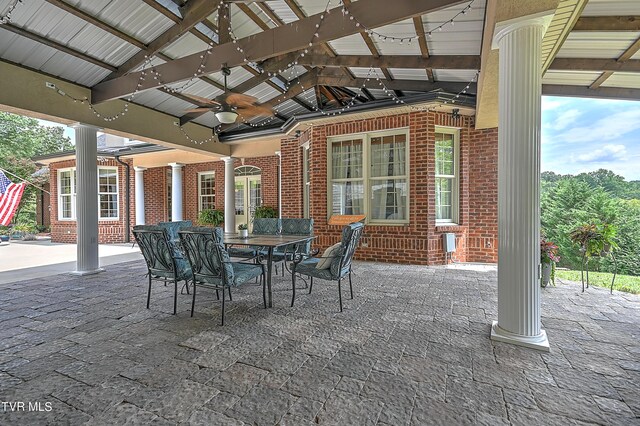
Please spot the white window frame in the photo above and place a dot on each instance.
(306, 183)
(455, 184)
(117, 194)
(366, 172)
(200, 195)
(74, 216)
(72, 195)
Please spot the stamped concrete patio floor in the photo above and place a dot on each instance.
(412, 348)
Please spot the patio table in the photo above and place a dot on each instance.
(269, 242)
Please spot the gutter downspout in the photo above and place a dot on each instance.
(127, 198)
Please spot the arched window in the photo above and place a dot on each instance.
(248, 171)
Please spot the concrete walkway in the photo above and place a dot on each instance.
(411, 348)
(21, 260)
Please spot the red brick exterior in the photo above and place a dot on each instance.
(109, 231)
(420, 241)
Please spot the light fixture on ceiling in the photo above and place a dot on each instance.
(226, 115)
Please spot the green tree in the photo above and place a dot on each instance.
(20, 139)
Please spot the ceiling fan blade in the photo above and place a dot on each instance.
(255, 111)
(201, 100)
(240, 100)
(200, 109)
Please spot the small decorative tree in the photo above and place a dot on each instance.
(595, 240)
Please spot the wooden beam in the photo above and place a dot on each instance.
(274, 42)
(194, 12)
(58, 46)
(626, 55)
(163, 10)
(224, 22)
(586, 92)
(252, 15)
(411, 85)
(463, 62)
(96, 22)
(422, 42)
(592, 64)
(608, 23)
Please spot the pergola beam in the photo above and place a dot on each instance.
(592, 64)
(274, 42)
(422, 42)
(96, 22)
(194, 12)
(58, 46)
(463, 62)
(626, 55)
(608, 23)
(411, 85)
(586, 92)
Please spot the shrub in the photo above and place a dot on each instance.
(263, 212)
(211, 217)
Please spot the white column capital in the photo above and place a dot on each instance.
(79, 125)
(176, 165)
(542, 19)
(228, 159)
(139, 168)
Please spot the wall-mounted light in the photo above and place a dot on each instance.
(455, 113)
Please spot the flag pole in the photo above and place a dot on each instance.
(24, 180)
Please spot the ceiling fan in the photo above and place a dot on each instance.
(228, 106)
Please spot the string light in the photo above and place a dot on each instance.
(384, 37)
(6, 18)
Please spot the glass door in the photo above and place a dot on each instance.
(248, 194)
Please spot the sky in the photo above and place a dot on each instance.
(582, 135)
(578, 135)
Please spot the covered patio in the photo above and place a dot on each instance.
(424, 118)
(412, 347)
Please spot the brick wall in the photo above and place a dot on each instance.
(419, 241)
(109, 231)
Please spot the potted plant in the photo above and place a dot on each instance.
(548, 258)
(4, 234)
(244, 230)
(211, 217)
(265, 212)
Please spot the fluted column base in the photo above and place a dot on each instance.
(539, 342)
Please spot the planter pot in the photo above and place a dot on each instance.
(244, 233)
(546, 274)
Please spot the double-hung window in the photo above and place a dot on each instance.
(447, 175)
(108, 193)
(206, 191)
(66, 194)
(369, 175)
(108, 205)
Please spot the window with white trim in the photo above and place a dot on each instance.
(206, 191)
(447, 175)
(66, 194)
(368, 174)
(108, 194)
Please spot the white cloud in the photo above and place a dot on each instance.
(550, 103)
(607, 153)
(566, 119)
(606, 129)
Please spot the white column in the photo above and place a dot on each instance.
(279, 154)
(87, 200)
(229, 196)
(139, 199)
(520, 88)
(176, 191)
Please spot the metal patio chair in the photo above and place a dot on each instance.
(340, 262)
(165, 261)
(212, 267)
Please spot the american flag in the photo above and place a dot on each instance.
(10, 195)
